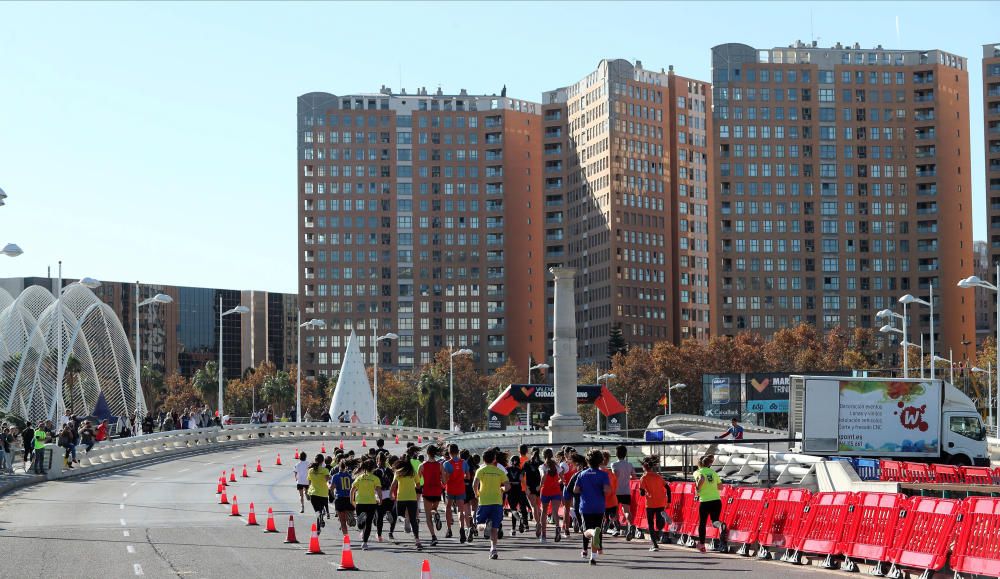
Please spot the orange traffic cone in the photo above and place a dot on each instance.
(290, 536)
(322, 449)
(420, 439)
(245, 475)
(223, 500)
(232, 475)
(341, 444)
(222, 479)
(363, 442)
(425, 570)
(258, 466)
(218, 489)
(252, 517)
(278, 462)
(346, 557)
(314, 543)
(397, 439)
(270, 528)
(235, 511)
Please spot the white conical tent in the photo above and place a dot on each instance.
(353, 392)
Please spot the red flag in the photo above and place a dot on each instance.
(663, 401)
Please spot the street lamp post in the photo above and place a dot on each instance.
(974, 282)
(597, 411)
(157, 299)
(989, 389)
(87, 282)
(951, 366)
(241, 309)
(313, 323)
(887, 313)
(909, 299)
(389, 336)
(671, 388)
(921, 346)
(451, 384)
(541, 366)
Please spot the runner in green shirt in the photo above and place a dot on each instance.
(710, 503)
(489, 484)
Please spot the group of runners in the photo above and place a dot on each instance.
(589, 494)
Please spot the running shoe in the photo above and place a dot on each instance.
(597, 542)
(420, 547)
(461, 534)
(448, 534)
(364, 546)
(654, 548)
(380, 539)
(558, 537)
(630, 533)
(543, 539)
(593, 561)
(391, 538)
(434, 540)
(302, 510)
(437, 520)
(583, 554)
(493, 555)
(701, 548)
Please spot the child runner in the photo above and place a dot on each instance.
(571, 501)
(404, 492)
(592, 486)
(516, 499)
(532, 480)
(319, 492)
(657, 493)
(624, 472)
(340, 488)
(551, 495)
(472, 500)
(523, 455)
(610, 501)
(489, 484)
(365, 493)
(706, 481)
(386, 505)
(455, 471)
(430, 474)
(301, 473)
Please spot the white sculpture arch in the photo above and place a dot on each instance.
(95, 356)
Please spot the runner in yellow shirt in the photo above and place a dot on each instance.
(365, 493)
(710, 503)
(489, 484)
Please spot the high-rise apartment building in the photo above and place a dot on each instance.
(626, 181)
(991, 127)
(985, 299)
(420, 215)
(842, 181)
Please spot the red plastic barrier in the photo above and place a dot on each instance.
(823, 523)
(977, 549)
(782, 514)
(689, 525)
(977, 475)
(891, 470)
(872, 525)
(682, 494)
(946, 473)
(926, 533)
(638, 506)
(742, 514)
(996, 476)
(918, 472)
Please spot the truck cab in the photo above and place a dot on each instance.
(963, 436)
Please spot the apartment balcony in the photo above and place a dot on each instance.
(923, 115)
(553, 115)
(993, 109)
(927, 189)
(493, 123)
(554, 220)
(926, 173)
(926, 152)
(555, 253)
(993, 91)
(494, 155)
(923, 97)
(926, 134)
(557, 236)
(923, 77)
(555, 203)
(494, 138)
(554, 168)
(553, 133)
(553, 184)
(549, 150)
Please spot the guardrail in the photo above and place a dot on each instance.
(120, 451)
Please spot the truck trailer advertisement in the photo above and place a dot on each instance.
(890, 417)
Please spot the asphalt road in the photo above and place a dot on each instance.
(163, 520)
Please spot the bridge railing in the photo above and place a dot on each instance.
(119, 451)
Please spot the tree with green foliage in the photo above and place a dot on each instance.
(616, 342)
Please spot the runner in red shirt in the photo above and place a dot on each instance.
(430, 472)
(453, 476)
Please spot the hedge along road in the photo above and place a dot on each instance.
(162, 519)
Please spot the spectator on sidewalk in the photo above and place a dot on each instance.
(87, 435)
(147, 424)
(102, 431)
(6, 456)
(27, 444)
(65, 440)
(40, 438)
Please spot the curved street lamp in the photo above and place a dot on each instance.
(909, 299)
(241, 309)
(451, 383)
(157, 299)
(975, 282)
(670, 402)
(313, 323)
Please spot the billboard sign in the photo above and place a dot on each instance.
(721, 395)
(888, 417)
(767, 392)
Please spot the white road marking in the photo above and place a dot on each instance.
(133, 484)
(540, 561)
(122, 522)
(124, 495)
(183, 470)
(138, 569)
(130, 549)
(125, 533)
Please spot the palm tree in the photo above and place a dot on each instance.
(277, 388)
(72, 378)
(206, 381)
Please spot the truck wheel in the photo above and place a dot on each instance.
(959, 460)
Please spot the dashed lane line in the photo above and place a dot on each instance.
(138, 569)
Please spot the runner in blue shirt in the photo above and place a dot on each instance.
(736, 431)
(340, 485)
(592, 485)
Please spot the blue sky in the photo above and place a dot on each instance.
(156, 141)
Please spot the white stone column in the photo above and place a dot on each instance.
(565, 425)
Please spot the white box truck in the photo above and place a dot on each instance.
(917, 419)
